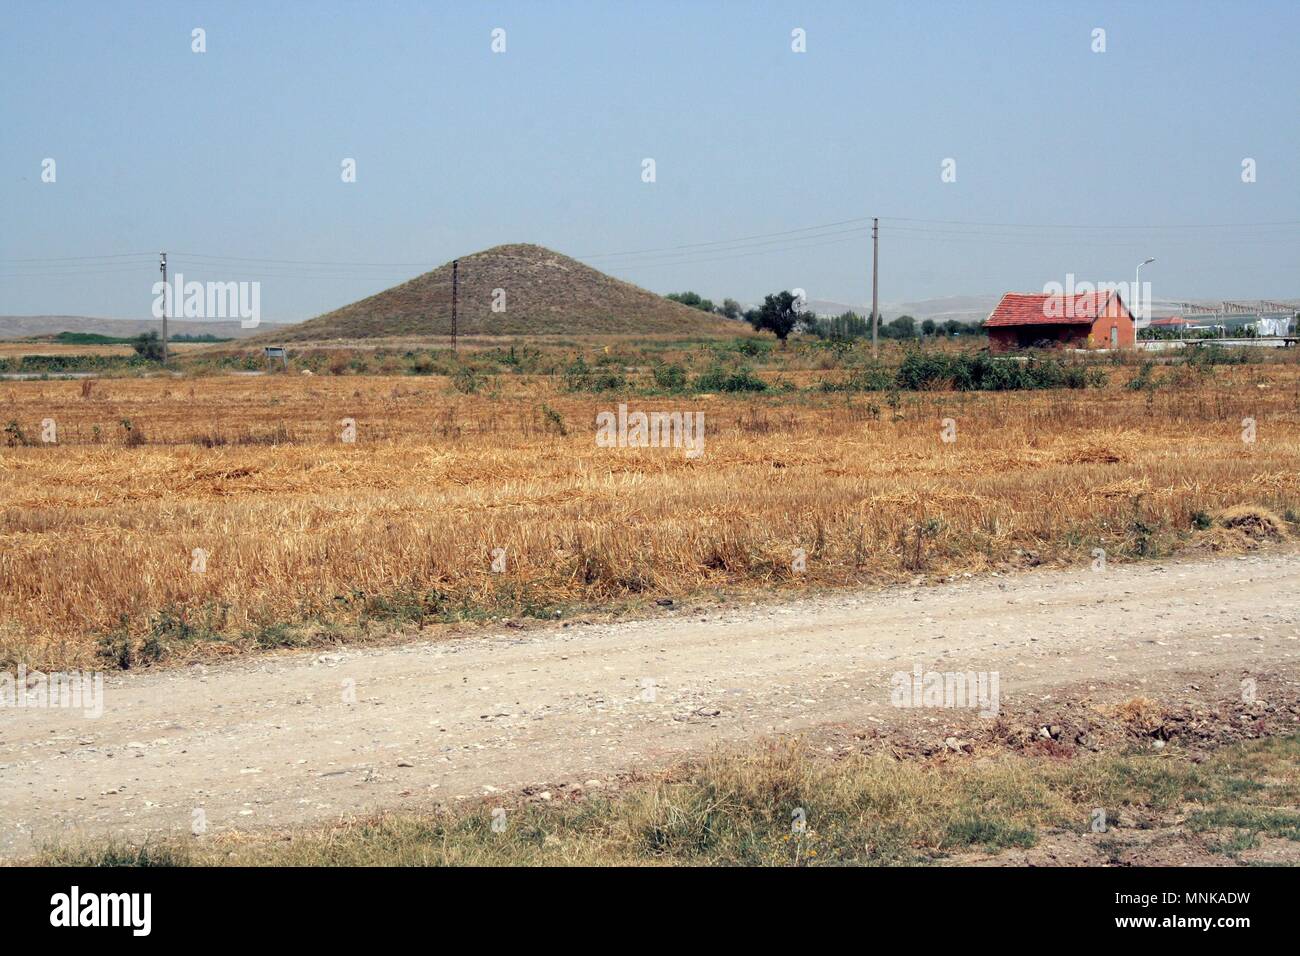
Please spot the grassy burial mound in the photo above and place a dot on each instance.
(517, 289)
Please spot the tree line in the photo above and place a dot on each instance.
(781, 314)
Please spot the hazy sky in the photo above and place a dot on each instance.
(237, 151)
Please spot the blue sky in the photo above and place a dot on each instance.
(236, 152)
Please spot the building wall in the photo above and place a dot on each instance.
(1001, 339)
(1118, 316)
(1012, 337)
(1097, 335)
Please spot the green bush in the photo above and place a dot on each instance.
(466, 380)
(669, 377)
(148, 346)
(753, 348)
(53, 364)
(580, 377)
(719, 379)
(1144, 379)
(921, 370)
(1207, 356)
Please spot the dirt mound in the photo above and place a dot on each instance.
(516, 289)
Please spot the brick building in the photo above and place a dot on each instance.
(1042, 320)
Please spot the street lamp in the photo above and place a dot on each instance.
(1137, 294)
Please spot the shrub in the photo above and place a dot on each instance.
(148, 346)
(921, 370)
(580, 377)
(14, 434)
(133, 435)
(753, 348)
(521, 359)
(669, 377)
(718, 379)
(466, 380)
(1144, 378)
(553, 421)
(1208, 356)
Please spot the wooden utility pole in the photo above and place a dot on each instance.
(167, 300)
(875, 301)
(455, 280)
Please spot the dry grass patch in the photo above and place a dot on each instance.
(1254, 522)
(784, 805)
(309, 538)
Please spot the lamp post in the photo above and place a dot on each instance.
(1137, 279)
(167, 302)
(1137, 295)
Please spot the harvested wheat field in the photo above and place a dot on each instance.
(59, 349)
(207, 516)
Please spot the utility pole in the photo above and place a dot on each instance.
(875, 301)
(455, 279)
(167, 301)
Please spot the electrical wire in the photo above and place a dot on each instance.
(789, 240)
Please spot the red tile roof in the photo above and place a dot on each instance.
(1043, 308)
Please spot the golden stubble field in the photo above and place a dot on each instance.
(308, 537)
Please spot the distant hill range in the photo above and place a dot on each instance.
(535, 291)
(31, 326)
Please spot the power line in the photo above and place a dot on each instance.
(804, 237)
(133, 270)
(742, 246)
(742, 255)
(304, 262)
(116, 255)
(665, 250)
(786, 244)
(902, 232)
(719, 242)
(1027, 225)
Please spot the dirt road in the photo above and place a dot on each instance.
(307, 737)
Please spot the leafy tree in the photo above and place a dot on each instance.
(731, 309)
(928, 327)
(842, 328)
(779, 314)
(692, 299)
(903, 327)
